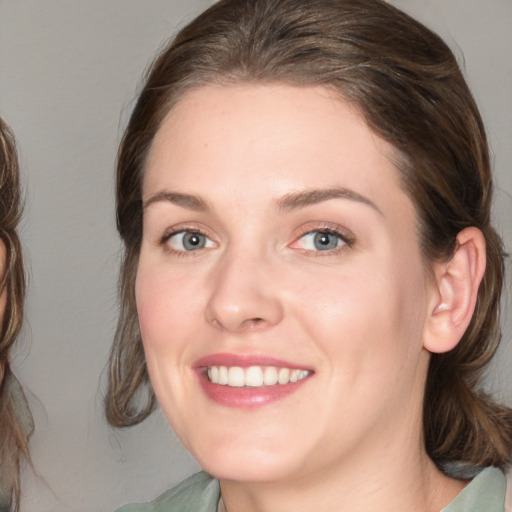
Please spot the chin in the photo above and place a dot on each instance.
(248, 471)
(248, 464)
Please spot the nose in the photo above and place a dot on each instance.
(244, 296)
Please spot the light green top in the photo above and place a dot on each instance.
(485, 493)
(201, 493)
(198, 493)
(14, 393)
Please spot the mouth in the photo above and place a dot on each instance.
(254, 376)
(249, 381)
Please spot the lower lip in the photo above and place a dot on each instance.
(247, 397)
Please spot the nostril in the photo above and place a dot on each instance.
(216, 323)
(253, 322)
(249, 323)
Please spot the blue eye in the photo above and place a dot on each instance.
(321, 241)
(189, 241)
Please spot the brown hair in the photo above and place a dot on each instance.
(13, 425)
(406, 83)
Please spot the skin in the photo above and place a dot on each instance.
(357, 316)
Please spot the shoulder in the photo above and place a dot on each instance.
(198, 493)
(486, 491)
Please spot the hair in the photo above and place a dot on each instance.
(13, 425)
(406, 83)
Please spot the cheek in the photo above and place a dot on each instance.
(166, 326)
(341, 319)
(165, 306)
(157, 323)
(372, 317)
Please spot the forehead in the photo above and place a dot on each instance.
(271, 139)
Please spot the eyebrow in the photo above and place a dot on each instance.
(310, 197)
(288, 202)
(189, 201)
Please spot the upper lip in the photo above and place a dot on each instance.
(245, 360)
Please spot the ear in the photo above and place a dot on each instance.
(455, 293)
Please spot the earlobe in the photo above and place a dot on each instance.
(456, 288)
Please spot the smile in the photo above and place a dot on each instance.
(254, 376)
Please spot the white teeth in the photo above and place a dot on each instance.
(284, 376)
(213, 374)
(236, 376)
(223, 375)
(254, 376)
(270, 376)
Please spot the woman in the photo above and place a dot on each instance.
(16, 423)
(311, 281)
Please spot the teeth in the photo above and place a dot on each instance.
(270, 376)
(236, 377)
(213, 374)
(284, 376)
(254, 376)
(223, 375)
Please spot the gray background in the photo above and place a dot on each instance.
(69, 71)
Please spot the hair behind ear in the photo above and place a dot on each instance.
(462, 422)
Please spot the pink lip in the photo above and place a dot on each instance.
(244, 361)
(245, 398)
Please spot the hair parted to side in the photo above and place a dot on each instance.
(13, 434)
(406, 83)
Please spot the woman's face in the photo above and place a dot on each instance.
(281, 292)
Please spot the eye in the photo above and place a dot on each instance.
(185, 241)
(322, 240)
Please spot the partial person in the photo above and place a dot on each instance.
(311, 282)
(16, 424)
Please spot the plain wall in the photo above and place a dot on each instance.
(69, 71)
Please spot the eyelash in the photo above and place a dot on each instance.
(347, 239)
(164, 240)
